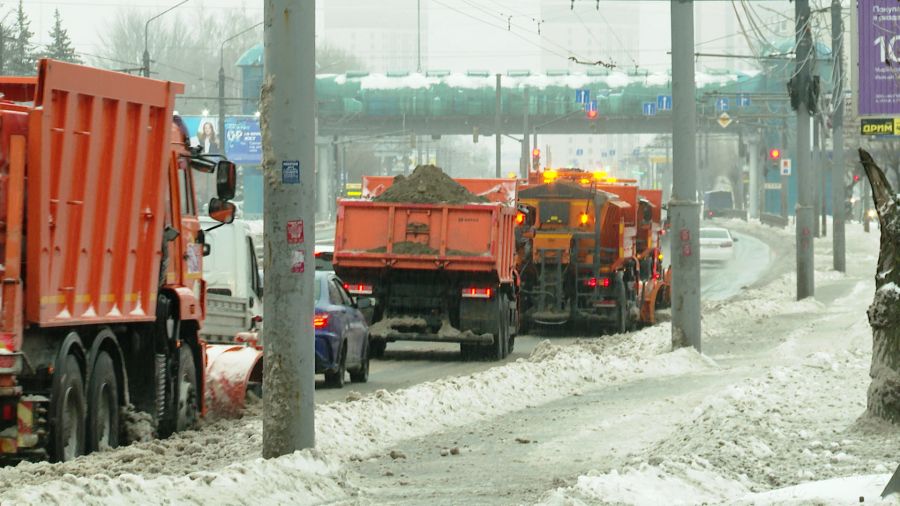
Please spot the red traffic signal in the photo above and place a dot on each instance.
(855, 177)
(592, 114)
(536, 152)
(774, 154)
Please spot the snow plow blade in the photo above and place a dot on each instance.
(231, 370)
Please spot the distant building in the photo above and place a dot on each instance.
(362, 29)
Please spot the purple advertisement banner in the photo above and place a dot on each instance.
(879, 57)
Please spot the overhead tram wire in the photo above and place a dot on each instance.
(517, 34)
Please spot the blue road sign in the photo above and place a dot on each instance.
(612, 152)
(582, 96)
(649, 108)
(591, 105)
(722, 104)
(664, 102)
(579, 152)
(743, 100)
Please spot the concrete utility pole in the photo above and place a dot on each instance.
(498, 137)
(816, 172)
(755, 176)
(823, 171)
(784, 179)
(288, 127)
(684, 208)
(526, 148)
(801, 88)
(419, 36)
(837, 140)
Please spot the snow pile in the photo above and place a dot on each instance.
(303, 477)
(362, 427)
(647, 484)
(190, 466)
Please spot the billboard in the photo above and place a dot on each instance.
(204, 131)
(878, 23)
(243, 140)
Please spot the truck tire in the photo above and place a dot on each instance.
(69, 411)
(103, 400)
(469, 352)
(497, 350)
(336, 379)
(622, 317)
(378, 347)
(361, 375)
(187, 405)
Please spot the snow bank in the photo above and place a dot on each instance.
(358, 428)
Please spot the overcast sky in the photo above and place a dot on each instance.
(461, 37)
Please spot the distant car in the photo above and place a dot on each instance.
(716, 201)
(716, 244)
(342, 336)
(324, 256)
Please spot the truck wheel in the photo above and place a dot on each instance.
(68, 411)
(188, 412)
(361, 375)
(103, 399)
(336, 379)
(469, 352)
(378, 347)
(622, 319)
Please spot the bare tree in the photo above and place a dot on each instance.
(182, 48)
(884, 313)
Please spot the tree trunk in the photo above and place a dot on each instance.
(884, 313)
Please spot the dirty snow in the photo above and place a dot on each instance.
(790, 434)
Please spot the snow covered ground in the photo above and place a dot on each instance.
(769, 414)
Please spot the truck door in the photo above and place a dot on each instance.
(188, 266)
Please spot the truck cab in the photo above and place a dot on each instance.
(234, 291)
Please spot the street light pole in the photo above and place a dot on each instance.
(146, 66)
(222, 83)
(801, 88)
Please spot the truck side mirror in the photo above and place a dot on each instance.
(221, 211)
(226, 179)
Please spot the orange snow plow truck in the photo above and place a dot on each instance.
(589, 255)
(438, 272)
(102, 294)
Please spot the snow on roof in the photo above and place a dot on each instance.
(613, 80)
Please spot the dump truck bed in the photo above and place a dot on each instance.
(390, 235)
(95, 166)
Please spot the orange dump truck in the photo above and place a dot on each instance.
(439, 272)
(102, 295)
(591, 258)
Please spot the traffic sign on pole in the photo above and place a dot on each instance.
(664, 102)
(722, 104)
(582, 95)
(743, 100)
(785, 166)
(649, 109)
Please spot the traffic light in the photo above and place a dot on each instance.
(855, 178)
(536, 159)
(774, 154)
(591, 114)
